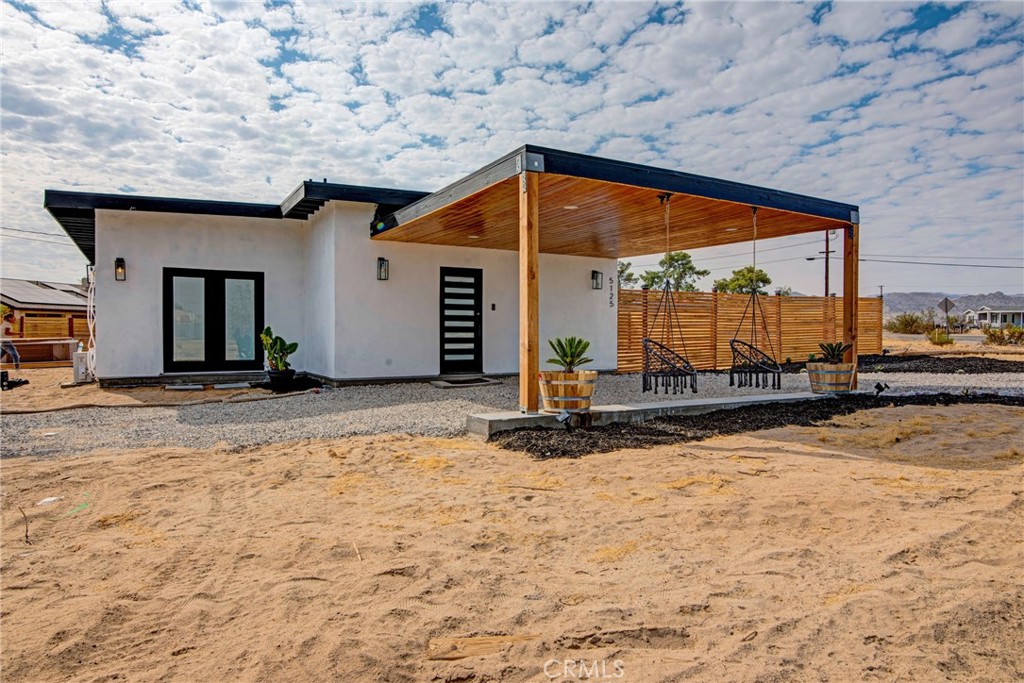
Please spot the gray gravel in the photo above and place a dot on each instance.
(406, 408)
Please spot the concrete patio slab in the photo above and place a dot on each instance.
(488, 424)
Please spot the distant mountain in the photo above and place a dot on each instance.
(913, 302)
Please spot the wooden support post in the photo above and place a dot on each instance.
(778, 327)
(714, 329)
(851, 285)
(529, 299)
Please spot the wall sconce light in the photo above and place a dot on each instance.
(382, 268)
(596, 279)
(120, 274)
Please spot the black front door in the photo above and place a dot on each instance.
(462, 338)
(212, 320)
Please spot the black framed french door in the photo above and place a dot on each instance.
(212, 320)
(462, 338)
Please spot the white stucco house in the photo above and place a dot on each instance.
(990, 317)
(378, 283)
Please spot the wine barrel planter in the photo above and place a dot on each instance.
(567, 391)
(831, 378)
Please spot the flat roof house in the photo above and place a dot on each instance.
(379, 283)
(991, 317)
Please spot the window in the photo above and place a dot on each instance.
(212, 320)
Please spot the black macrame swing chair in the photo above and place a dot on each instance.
(754, 365)
(662, 363)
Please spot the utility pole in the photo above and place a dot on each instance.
(826, 253)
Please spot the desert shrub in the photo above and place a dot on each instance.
(910, 323)
(1011, 334)
(939, 337)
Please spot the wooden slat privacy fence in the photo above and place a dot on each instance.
(709, 320)
(49, 325)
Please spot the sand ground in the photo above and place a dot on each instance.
(886, 546)
(44, 392)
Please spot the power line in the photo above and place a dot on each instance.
(931, 263)
(969, 258)
(48, 242)
(715, 258)
(34, 232)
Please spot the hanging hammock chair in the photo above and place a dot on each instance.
(754, 364)
(662, 363)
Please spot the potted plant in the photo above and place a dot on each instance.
(568, 390)
(831, 375)
(277, 350)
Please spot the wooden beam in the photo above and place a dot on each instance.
(529, 299)
(851, 285)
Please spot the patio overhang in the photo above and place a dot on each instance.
(589, 206)
(540, 200)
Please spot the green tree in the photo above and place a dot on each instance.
(744, 281)
(678, 270)
(627, 280)
(784, 291)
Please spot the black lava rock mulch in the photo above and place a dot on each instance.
(573, 443)
(971, 365)
(299, 383)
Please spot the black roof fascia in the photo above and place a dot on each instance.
(621, 172)
(625, 173)
(494, 172)
(310, 196)
(63, 199)
(76, 211)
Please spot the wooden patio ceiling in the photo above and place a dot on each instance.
(605, 215)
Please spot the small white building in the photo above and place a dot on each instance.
(990, 317)
(380, 283)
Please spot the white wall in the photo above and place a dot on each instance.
(321, 291)
(392, 328)
(129, 315)
(318, 343)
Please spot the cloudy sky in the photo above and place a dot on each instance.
(913, 111)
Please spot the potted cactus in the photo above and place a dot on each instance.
(279, 370)
(568, 390)
(831, 375)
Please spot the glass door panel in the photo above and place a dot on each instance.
(239, 319)
(189, 318)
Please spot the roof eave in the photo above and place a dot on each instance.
(548, 160)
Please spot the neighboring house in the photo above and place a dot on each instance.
(990, 317)
(46, 309)
(380, 283)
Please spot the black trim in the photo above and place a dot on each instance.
(213, 298)
(494, 172)
(476, 365)
(623, 173)
(308, 197)
(76, 211)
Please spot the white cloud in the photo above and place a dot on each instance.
(756, 92)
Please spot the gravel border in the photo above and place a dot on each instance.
(401, 408)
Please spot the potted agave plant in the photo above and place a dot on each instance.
(568, 390)
(831, 375)
(279, 369)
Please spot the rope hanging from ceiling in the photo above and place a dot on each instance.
(664, 365)
(753, 361)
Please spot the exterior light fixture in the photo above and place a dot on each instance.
(120, 273)
(382, 268)
(596, 279)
